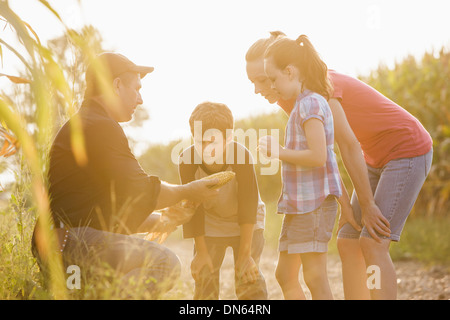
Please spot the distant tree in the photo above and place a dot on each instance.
(157, 160)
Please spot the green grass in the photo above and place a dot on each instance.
(423, 239)
(19, 274)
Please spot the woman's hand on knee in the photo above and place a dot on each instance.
(375, 222)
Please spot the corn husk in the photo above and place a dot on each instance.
(183, 211)
(171, 218)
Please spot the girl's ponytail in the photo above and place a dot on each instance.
(301, 40)
(302, 54)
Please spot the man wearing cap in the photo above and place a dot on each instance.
(99, 200)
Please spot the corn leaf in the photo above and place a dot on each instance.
(15, 79)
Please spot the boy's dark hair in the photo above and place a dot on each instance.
(212, 115)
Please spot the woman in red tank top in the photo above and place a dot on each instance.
(387, 154)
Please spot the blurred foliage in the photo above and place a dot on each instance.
(68, 63)
(424, 239)
(156, 160)
(31, 124)
(70, 54)
(45, 93)
(422, 87)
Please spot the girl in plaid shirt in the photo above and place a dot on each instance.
(311, 181)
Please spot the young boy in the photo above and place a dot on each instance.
(235, 218)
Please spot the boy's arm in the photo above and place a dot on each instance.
(246, 268)
(195, 226)
(202, 258)
(248, 193)
(246, 238)
(248, 198)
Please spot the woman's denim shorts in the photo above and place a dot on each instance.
(395, 187)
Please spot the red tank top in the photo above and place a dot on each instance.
(385, 130)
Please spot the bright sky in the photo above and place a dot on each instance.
(198, 46)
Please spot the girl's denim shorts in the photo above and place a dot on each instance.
(309, 232)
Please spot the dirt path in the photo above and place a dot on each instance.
(415, 281)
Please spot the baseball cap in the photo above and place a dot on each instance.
(116, 64)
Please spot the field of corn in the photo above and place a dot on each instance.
(49, 90)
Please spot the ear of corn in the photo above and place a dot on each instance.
(223, 177)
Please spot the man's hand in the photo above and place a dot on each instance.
(374, 221)
(199, 190)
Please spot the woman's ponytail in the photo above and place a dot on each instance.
(257, 50)
(276, 34)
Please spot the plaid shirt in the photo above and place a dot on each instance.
(305, 188)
